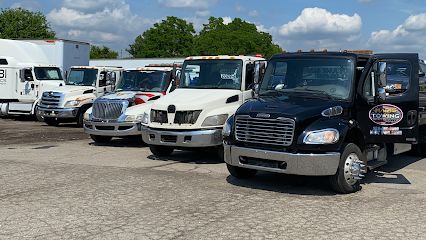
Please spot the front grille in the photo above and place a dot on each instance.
(51, 99)
(159, 116)
(186, 117)
(108, 110)
(276, 132)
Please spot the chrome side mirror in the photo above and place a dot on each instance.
(382, 72)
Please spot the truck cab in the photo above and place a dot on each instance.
(84, 84)
(119, 114)
(210, 89)
(21, 85)
(335, 114)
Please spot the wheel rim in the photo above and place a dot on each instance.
(352, 169)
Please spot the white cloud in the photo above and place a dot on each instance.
(317, 28)
(409, 36)
(253, 13)
(227, 20)
(197, 4)
(105, 22)
(320, 24)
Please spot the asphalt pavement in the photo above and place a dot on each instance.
(57, 184)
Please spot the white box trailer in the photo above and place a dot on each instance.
(64, 53)
(25, 72)
(134, 62)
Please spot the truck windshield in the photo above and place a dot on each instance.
(319, 77)
(145, 81)
(211, 74)
(47, 73)
(82, 77)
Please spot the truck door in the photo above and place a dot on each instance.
(254, 73)
(26, 86)
(388, 109)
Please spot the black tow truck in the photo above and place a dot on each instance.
(336, 114)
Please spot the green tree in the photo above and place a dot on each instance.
(237, 37)
(97, 52)
(23, 24)
(173, 37)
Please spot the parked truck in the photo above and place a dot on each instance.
(115, 114)
(84, 84)
(25, 72)
(334, 114)
(210, 89)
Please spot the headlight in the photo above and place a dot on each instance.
(72, 103)
(144, 118)
(215, 120)
(226, 131)
(130, 118)
(87, 116)
(325, 136)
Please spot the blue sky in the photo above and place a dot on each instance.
(380, 25)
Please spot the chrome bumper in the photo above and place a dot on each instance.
(57, 112)
(298, 164)
(196, 138)
(116, 129)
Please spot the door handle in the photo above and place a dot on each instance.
(411, 118)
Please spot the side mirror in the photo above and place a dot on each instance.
(259, 71)
(382, 74)
(381, 94)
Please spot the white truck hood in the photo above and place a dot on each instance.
(132, 95)
(49, 85)
(195, 99)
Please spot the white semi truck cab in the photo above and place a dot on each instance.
(21, 84)
(119, 114)
(84, 84)
(210, 89)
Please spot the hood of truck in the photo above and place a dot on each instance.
(195, 99)
(48, 85)
(211, 102)
(298, 108)
(131, 96)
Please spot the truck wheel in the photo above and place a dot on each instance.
(51, 121)
(80, 119)
(220, 153)
(101, 139)
(351, 169)
(161, 151)
(240, 172)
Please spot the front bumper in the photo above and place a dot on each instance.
(116, 129)
(195, 138)
(325, 164)
(57, 112)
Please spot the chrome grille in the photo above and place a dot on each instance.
(108, 110)
(186, 117)
(277, 132)
(51, 100)
(159, 116)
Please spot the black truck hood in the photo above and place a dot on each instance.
(298, 108)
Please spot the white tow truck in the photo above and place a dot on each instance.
(84, 84)
(210, 89)
(25, 72)
(119, 114)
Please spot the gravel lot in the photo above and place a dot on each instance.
(57, 184)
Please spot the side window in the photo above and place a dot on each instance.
(367, 88)
(249, 76)
(397, 77)
(28, 75)
(102, 79)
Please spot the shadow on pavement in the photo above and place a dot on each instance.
(200, 156)
(282, 183)
(132, 142)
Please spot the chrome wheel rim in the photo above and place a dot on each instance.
(352, 169)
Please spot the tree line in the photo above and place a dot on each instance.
(172, 37)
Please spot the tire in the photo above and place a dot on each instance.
(80, 119)
(161, 151)
(241, 173)
(100, 139)
(51, 121)
(342, 182)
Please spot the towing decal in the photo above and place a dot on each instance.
(386, 115)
